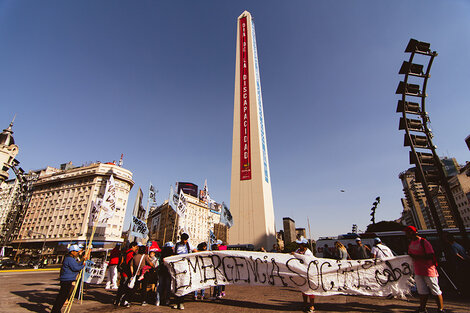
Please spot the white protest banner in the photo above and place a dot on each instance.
(181, 207)
(139, 228)
(105, 207)
(173, 199)
(311, 275)
(94, 272)
(94, 211)
(108, 206)
(152, 193)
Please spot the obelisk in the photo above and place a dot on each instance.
(251, 202)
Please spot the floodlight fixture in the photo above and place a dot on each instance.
(408, 89)
(418, 47)
(411, 69)
(408, 107)
(410, 124)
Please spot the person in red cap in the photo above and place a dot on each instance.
(424, 262)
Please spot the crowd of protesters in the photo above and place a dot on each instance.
(139, 266)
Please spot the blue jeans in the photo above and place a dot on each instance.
(203, 291)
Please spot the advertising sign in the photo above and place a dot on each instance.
(245, 148)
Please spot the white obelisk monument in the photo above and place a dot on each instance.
(251, 202)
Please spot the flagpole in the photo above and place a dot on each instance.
(174, 226)
(310, 235)
(111, 190)
(167, 213)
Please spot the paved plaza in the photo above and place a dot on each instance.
(35, 291)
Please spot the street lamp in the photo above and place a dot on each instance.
(374, 207)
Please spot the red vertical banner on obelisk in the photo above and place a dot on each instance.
(245, 148)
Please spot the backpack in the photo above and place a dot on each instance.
(434, 259)
(124, 267)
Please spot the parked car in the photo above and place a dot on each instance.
(8, 263)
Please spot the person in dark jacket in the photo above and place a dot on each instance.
(164, 287)
(124, 293)
(68, 274)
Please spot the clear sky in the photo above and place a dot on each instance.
(154, 80)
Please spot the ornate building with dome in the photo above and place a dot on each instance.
(8, 152)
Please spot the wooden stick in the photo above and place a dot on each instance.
(88, 249)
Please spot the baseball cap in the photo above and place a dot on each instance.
(74, 248)
(358, 239)
(302, 240)
(219, 242)
(410, 228)
(169, 244)
(377, 240)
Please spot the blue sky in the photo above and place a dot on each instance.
(154, 80)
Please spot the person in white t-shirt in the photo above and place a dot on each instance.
(379, 250)
(303, 249)
(182, 247)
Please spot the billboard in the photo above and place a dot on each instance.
(245, 145)
(188, 188)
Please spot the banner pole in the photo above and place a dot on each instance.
(174, 226)
(87, 252)
(310, 235)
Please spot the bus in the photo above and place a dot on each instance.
(395, 240)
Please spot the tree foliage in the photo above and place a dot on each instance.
(384, 226)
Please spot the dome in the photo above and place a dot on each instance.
(6, 137)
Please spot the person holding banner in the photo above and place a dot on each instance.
(68, 275)
(182, 247)
(380, 250)
(200, 248)
(303, 249)
(164, 286)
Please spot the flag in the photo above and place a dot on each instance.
(152, 193)
(226, 217)
(181, 207)
(173, 199)
(108, 206)
(139, 228)
(103, 209)
(212, 238)
(205, 192)
(139, 210)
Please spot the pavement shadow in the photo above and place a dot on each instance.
(40, 302)
(283, 306)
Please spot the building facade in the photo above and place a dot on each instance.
(416, 200)
(165, 225)
(300, 232)
(8, 152)
(416, 210)
(9, 191)
(289, 230)
(60, 208)
(460, 187)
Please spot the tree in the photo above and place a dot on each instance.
(384, 226)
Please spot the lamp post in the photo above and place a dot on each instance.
(418, 136)
(374, 207)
